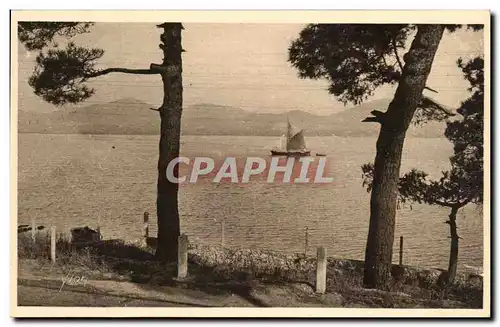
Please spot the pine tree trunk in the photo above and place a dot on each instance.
(170, 130)
(452, 265)
(394, 123)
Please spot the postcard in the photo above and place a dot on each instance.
(250, 164)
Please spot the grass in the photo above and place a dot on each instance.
(216, 270)
(113, 258)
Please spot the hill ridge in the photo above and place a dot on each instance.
(132, 116)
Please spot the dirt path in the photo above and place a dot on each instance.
(52, 291)
(41, 296)
(48, 286)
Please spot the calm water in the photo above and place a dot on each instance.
(78, 180)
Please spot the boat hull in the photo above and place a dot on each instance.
(291, 153)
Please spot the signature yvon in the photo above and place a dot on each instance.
(73, 280)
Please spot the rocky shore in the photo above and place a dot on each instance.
(289, 267)
(217, 268)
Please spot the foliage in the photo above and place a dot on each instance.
(59, 74)
(38, 35)
(411, 187)
(357, 59)
(473, 27)
(59, 77)
(463, 183)
(467, 134)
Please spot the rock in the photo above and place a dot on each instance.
(84, 234)
(398, 272)
(303, 287)
(23, 229)
(332, 299)
(446, 304)
(27, 228)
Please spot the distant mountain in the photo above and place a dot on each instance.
(349, 122)
(131, 116)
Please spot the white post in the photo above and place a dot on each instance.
(33, 229)
(53, 244)
(306, 242)
(321, 271)
(182, 256)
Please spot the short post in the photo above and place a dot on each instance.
(222, 232)
(33, 229)
(98, 230)
(401, 250)
(306, 245)
(146, 227)
(53, 244)
(321, 271)
(182, 256)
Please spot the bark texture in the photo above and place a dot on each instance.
(170, 130)
(452, 265)
(394, 123)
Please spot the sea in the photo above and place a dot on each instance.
(110, 181)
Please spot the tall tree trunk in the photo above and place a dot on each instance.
(170, 130)
(394, 123)
(452, 265)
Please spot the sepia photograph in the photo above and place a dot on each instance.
(202, 164)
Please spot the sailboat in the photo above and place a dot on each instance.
(292, 143)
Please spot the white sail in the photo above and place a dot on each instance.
(296, 142)
(283, 142)
(293, 140)
(291, 130)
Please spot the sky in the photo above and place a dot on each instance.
(239, 65)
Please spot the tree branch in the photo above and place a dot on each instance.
(400, 64)
(377, 113)
(371, 120)
(466, 201)
(379, 116)
(444, 204)
(430, 89)
(395, 49)
(121, 70)
(433, 105)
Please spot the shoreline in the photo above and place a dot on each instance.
(215, 269)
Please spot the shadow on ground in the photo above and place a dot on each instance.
(139, 266)
(235, 285)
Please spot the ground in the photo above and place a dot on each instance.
(44, 285)
(114, 273)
